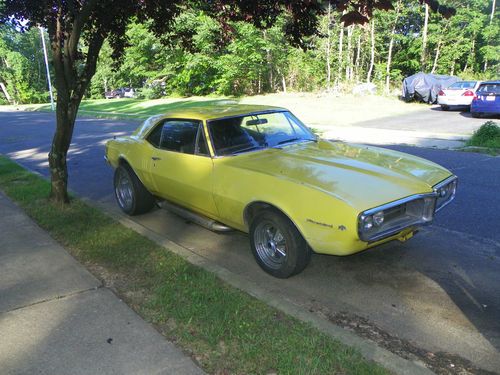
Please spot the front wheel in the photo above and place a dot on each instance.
(277, 245)
(445, 108)
(476, 114)
(131, 195)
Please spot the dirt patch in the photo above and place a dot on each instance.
(321, 109)
(439, 362)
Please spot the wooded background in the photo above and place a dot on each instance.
(200, 57)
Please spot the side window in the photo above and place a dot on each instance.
(202, 143)
(183, 136)
(155, 136)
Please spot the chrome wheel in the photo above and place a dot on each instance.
(124, 191)
(270, 245)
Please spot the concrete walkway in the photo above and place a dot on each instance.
(56, 318)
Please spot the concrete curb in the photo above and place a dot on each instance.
(369, 349)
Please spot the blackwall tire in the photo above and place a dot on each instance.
(277, 245)
(131, 195)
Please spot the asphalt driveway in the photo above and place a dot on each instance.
(438, 291)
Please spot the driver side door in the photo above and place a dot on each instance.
(182, 169)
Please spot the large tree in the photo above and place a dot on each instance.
(78, 28)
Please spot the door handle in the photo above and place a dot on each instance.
(155, 158)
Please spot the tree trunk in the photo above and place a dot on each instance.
(5, 92)
(283, 82)
(492, 14)
(471, 55)
(269, 61)
(358, 53)
(372, 56)
(73, 75)
(328, 49)
(349, 68)
(66, 115)
(438, 49)
(340, 58)
(423, 56)
(389, 55)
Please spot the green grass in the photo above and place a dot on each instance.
(316, 110)
(488, 135)
(137, 109)
(223, 328)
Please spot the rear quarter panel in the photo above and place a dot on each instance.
(136, 152)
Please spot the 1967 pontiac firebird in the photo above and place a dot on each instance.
(259, 170)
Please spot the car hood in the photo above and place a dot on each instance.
(362, 176)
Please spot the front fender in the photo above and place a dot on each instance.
(328, 224)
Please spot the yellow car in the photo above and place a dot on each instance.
(259, 170)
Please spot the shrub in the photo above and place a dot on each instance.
(488, 135)
(152, 91)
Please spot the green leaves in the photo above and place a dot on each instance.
(201, 56)
(22, 68)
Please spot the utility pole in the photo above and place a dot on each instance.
(47, 67)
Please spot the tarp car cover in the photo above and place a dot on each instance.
(425, 87)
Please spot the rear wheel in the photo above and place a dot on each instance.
(277, 245)
(131, 195)
(476, 114)
(445, 108)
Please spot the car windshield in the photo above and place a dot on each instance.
(462, 85)
(251, 132)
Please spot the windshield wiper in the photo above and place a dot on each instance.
(248, 149)
(288, 141)
(294, 139)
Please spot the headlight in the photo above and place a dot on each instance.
(389, 219)
(378, 218)
(445, 192)
(368, 222)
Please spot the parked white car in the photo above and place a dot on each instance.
(459, 94)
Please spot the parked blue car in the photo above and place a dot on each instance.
(487, 99)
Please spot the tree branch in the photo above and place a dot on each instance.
(90, 67)
(78, 24)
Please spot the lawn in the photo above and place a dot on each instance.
(316, 110)
(225, 330)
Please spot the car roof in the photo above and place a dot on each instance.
(207, 111)
(211, 111)
(490, 82)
